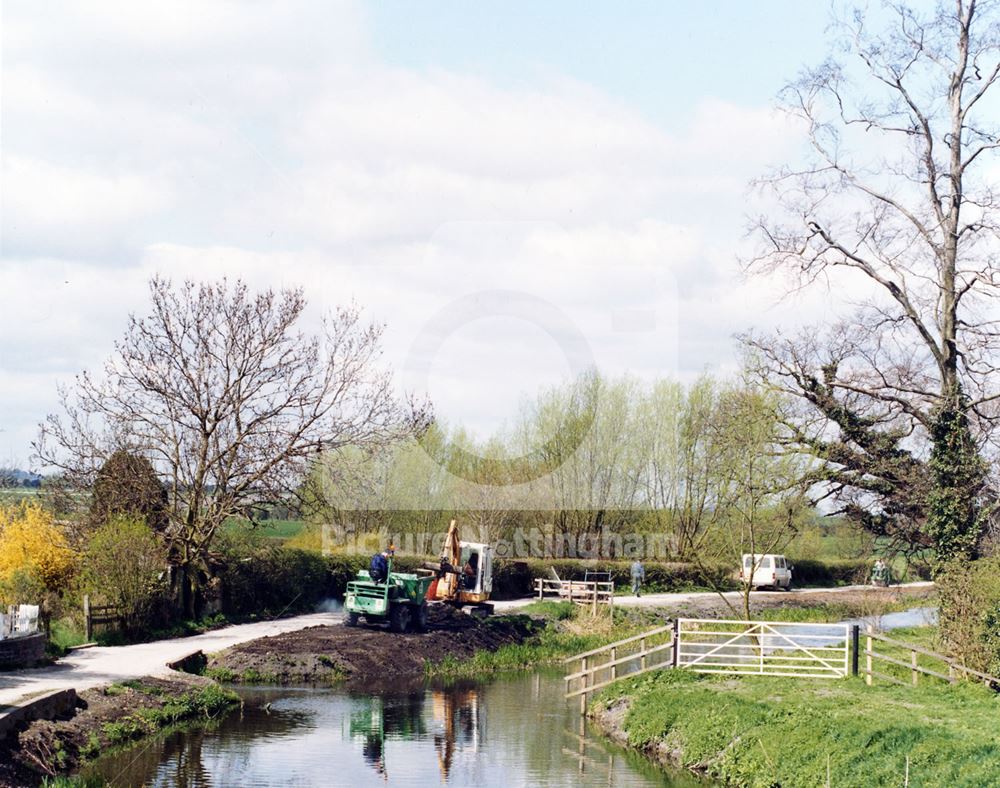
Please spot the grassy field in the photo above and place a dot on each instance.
(777, 731)
(272, 529)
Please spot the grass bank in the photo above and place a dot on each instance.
(569, 629)
(776, 731)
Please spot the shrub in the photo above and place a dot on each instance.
(121, 564)
(513, 579)
(127, 486)
(970, 612)
(33, 552)
(259, 577)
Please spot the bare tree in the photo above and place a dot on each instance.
(230, 401)
(900, 399)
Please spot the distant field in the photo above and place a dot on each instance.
(18, 494)
(272, 529)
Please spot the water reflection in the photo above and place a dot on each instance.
(514, 731)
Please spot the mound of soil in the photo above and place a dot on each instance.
(46, 748)
(363, 653)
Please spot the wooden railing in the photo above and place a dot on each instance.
(582, 592)
(954, 669)
(99, 615)
(629, 657)
(668, 647)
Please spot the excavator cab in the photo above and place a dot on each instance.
(465, 574)
(478, 557)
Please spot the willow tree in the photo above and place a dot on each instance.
(897, 205)
(230, 400)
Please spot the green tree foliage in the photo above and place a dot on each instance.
(660, 459)
(957, 511)
(970, 611)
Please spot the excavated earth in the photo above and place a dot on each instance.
(366, 654)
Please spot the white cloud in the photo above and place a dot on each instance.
(266, 141)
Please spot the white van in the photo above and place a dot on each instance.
(767, 570)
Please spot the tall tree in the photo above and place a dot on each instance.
(230, 401)
(757, 488)
(899, 400)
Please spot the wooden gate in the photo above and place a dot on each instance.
(762, 648)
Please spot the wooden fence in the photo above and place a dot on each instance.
(944, 668)
(652, 650)
(582, 592)
(764, 648)
(107, 616)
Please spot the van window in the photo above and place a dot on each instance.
(765, 562)
(747, 561)
(780, 562)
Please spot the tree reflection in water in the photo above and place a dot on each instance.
(454, 720)
(512, 730)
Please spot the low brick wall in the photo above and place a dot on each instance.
(22, 652)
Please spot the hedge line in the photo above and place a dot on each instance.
(264, 579)
(516, 578)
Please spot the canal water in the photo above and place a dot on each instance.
(511, 731)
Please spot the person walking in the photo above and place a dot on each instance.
(638, 575)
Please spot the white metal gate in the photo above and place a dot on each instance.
(763, 648)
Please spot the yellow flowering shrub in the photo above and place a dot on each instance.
(31, 542)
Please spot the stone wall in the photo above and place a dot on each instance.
(22, 652)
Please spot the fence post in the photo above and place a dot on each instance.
(855, 630)
(88, 627)
(913, 666)
(540, 583)
(761, 641)
(614, 657)
(583, 680)
(868, 655)
(675, 654)
(642, 654)
(594, 604)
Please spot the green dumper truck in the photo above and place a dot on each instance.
(401, 600)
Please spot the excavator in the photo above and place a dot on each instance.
(464, 574)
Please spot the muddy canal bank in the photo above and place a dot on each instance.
(106, 718)
(367, 655)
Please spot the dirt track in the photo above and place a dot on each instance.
(363, 654)
(711, 606)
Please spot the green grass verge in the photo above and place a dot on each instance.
(72, 781)
(63, 634)
(546, 649)
(568, 630)
(776, 731)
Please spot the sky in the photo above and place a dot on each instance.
(518, 190)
